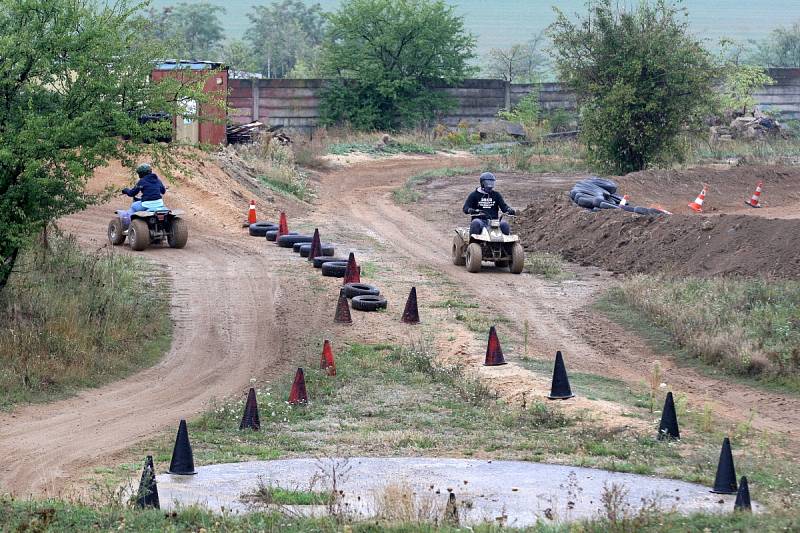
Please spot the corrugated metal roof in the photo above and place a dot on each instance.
(175, 64)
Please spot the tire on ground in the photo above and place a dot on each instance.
(179, 233)
(326, 249)
(457, 251)
(288, 241)
(352, 290)
(260, 229)
(296, 246)
(517, 263)
(608, 185)
(116, 232)
(319, 261)
(334, 269)
(138, 235)
(369, 303)
(474, 257)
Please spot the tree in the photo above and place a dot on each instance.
(239, 57)
(190, 31)
(73, 83)
(520, 63)
(781, 49)
(641, 78)
(281, 34)
(385, 54)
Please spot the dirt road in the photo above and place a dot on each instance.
(556, 313)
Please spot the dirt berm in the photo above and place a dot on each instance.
(731, 245)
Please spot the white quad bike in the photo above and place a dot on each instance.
(489, 245)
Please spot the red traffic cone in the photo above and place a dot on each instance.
(352, 274)
(494, 353)
(342, 310)
(250, 418)
(283, 226)
(316, 247)
(326, 362)
(251, 215)
(697, 205)
(411, 312)
(753, 202)
(298, 394)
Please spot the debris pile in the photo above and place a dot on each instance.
(596, 193)
(250, 132)
(754, 126)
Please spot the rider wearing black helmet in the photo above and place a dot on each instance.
(484, 204)
(151, 190)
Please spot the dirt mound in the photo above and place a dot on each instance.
(732, 245)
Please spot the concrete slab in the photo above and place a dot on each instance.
(515, 493)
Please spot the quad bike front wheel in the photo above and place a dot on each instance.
(517, 259)
(474, 257)
(178, 234)
(458, 251)
(138, 235)
(116, 232)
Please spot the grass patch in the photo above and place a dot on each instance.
(551, 156)
(393, 148)
(67, 320)
(747, 328)
(266, 494)
(549, 266)
(407, 194)
(276, 167)
(295, 185)
(764, 151)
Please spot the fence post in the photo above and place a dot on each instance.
(508, 96)
(256, 103)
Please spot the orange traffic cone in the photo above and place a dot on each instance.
(251, 215)
(697, 205)
(753, 202)
(283, 226)
(624, 200)
(326, 362)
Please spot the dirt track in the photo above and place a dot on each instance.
(227, 292)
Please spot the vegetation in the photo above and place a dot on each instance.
(275, 166)
(634, 111)
(748, 327)
(519, 63)
(780, 49)
(384, 54)
(408, 193)
(549, 266)
(188, 30)
(70, 320)
(64, 110)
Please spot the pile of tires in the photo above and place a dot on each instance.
(365, 297)
(260, 229)
(596, 193)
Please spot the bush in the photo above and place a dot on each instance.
(641, 78)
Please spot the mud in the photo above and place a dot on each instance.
(722, 245)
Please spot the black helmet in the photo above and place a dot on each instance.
(487, 180)
(144, 169)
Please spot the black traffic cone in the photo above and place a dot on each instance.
(743, 497)
(250, 419)
(725, 480)
(315, 246)
(668, 428)
(560, 389)
(298, 395)
(494, 352)
(182, 462)
(411, 312)
(147, 495)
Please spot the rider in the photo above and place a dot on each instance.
(483, 204)
(152, 191)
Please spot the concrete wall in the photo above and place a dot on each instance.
(295, 103)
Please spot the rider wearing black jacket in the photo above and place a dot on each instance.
(484, 204)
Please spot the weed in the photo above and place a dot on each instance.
(549, 266)
(268, 494)
(66, 319)
(275, 166)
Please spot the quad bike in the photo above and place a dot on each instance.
(489, 245)
(150, 227)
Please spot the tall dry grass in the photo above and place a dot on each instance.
(70, 320)
(749, 326)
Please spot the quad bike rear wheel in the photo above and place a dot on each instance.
(474, 257)
(179, 234)
(458, 251)
(517, 259)
(138, 235)
(116, 232)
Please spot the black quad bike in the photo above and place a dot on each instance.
(491, 244)
(150, 227)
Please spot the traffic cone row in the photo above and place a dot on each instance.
(754, 201)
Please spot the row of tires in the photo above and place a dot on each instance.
(363, 297)
(595, 193)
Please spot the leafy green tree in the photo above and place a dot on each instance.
(780, 49)
(284, 33)
(642, 80)
(385, 54)
(519, 63)
(189, 30)
(73, 84)
(239, 57)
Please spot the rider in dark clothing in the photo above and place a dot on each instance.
(484, 204)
